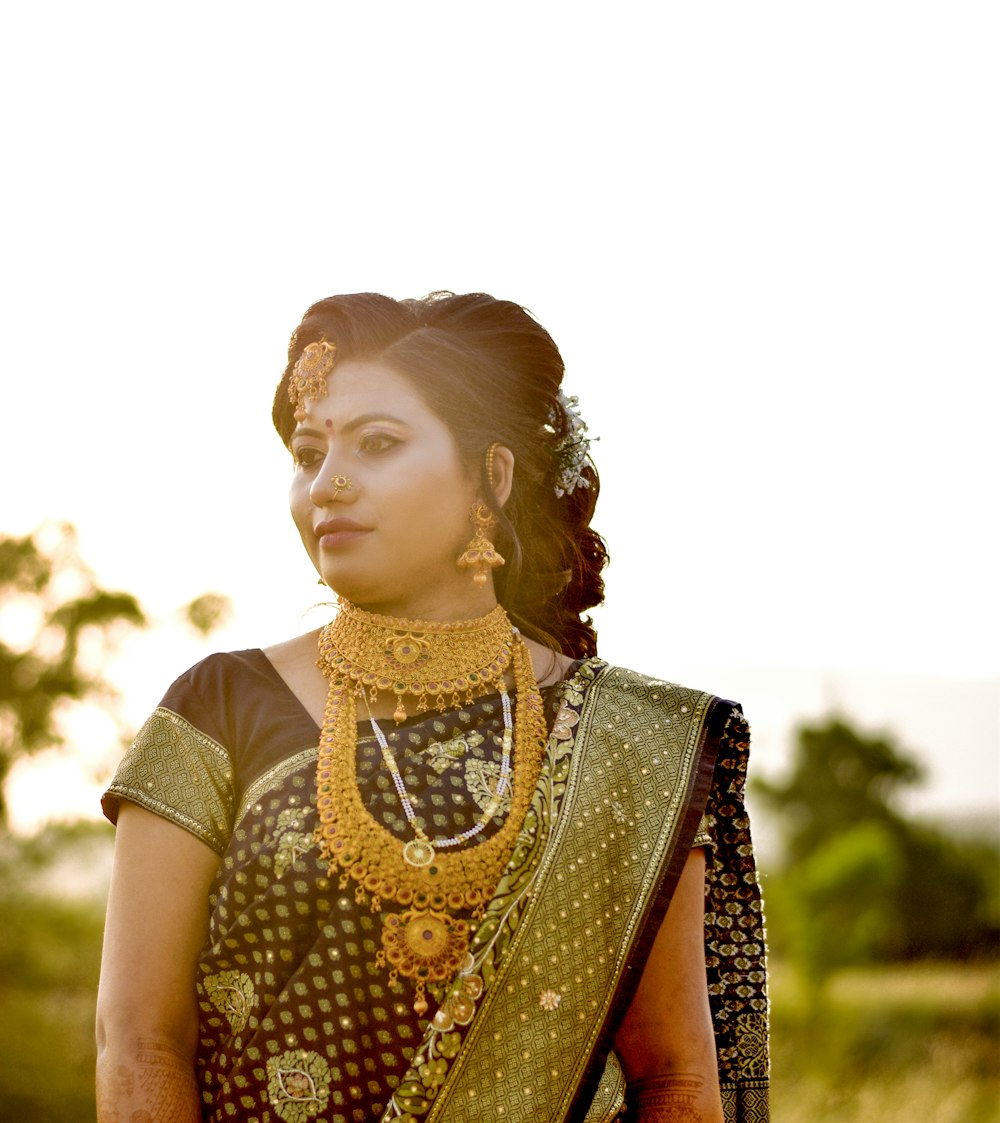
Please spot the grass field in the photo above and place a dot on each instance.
(888, 1045)
(906, 1043)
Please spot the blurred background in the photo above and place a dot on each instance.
(765, 238)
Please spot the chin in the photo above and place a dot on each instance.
(357, 591)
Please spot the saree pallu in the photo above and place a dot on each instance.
(299, 1025)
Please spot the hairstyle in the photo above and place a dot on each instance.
(491, 372)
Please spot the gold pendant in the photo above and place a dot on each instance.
(425, 946)
(419, 852)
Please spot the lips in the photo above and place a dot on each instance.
(337, 532)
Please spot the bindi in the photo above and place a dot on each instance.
(329, 426)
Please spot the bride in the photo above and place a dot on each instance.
(437, 860)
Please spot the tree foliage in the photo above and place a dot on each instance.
(52, 607)
(862, 882)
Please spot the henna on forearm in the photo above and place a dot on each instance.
(157, 1087)
(673, 1097)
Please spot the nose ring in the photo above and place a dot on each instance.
(341, 483)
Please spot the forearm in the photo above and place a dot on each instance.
(675, 1097)
(151, 1082)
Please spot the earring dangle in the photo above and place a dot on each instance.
(480, 555)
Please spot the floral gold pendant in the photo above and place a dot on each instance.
(425, 946)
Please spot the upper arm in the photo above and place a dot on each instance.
(157, 921)
(668, 1026)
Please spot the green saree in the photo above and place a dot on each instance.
(563, 944)
(297, 1025)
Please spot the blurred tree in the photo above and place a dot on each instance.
(860, 881)
(207, 612)
(838, 778)
(829, 910)
(50, 608)
(55, 625)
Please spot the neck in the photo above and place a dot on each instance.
(437, 609)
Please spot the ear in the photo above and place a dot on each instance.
(503, 473)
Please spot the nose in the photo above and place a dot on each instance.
(331, 488)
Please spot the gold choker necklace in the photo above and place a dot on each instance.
(456, 661)
(362, 653)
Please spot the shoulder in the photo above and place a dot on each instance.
(217, 674)
(550, 666)
(680, 712)
(293, 656)
(214, 692)
(661, 693)
(646, 697)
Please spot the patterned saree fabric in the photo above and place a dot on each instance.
(298, 1022)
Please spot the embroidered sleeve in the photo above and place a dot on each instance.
(734, 935)
(178, 772)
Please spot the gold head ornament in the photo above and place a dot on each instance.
(308, 379)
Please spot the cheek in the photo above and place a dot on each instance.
(299, 505)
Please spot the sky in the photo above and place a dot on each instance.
(764, 237)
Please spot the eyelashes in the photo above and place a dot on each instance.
(306, 457)
(375, 444)
(368, 445)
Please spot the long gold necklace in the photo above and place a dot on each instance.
(361, 653)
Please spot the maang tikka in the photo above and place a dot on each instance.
(481, 555)
(308, 379)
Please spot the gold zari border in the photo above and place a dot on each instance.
(179, 773)
(609, 838)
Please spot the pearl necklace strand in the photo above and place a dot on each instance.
(421, 851)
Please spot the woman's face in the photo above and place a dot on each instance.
(390, 542)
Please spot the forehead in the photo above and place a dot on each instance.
(369, 389)
(371, 384)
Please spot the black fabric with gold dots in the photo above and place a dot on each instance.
(297, 1021)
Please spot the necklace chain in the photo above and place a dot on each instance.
(422, 850)
(432, 881)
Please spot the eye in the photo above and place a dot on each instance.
(374, 444)
(306, 456)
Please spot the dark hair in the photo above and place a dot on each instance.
(491, 372)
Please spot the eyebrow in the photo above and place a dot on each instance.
(355, 423)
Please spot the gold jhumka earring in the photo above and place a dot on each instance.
(481, 555)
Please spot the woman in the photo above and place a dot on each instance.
(436, 861)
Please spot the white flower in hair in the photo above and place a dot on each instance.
(572, 452)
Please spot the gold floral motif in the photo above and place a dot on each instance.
(482, 778)
(298, 1085)
(292, 840)
(407, 652)
(564, 727)
(460, 1005)
(442, 754)
(232, 994)
(549, 999)
(751, 1044)
(424, 945)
